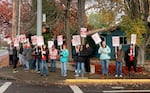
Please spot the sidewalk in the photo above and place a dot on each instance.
(54, 77)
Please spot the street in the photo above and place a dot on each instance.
(21, 87)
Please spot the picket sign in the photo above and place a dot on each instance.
(22, 38)
(8, 40)
(50, 44)
(83, 32)
(76, 40)
(34, 40)
(133, 39)
(115, 41)
(16, 42)
(60, 40)
(40, 40)
(96, 38)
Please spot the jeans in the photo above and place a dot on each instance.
(21, 59)
(80, 65)
(118, 68)
(38, 60)
(10, 59)
(27, 64)
(44, 65)
(132, 64)
(87, 65)
(33, 64)
(63, 68)
(104, 66)
(53, 64)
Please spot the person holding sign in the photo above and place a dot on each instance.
(64, 55)
(88, 51)
(131, 58)
(104, 52)
(43, 62)
(81, 60)
(53, 56)
(119, 61)
(15, 59)
(27, 56)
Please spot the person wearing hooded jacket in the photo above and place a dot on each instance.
(81, 58)
(104, 52)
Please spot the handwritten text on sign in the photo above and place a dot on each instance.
(115, 41)
(96, 38)
(83, 32)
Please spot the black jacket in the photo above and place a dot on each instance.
(82, 56)
(15, 54)
(127, 57)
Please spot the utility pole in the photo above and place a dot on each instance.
(14, 19)
(39, 17)
(19, 17)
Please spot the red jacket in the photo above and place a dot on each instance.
(43, 54)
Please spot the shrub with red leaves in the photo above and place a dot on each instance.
(112, 69)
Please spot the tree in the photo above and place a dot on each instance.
(106, 13)
(135, 22)
(5, 17)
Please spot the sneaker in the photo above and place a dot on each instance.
(65, 75)
(75, 71)
(116, 75)
(120, 75)
(77, 75)
(79, 71)
(38, 72)
(15, 71)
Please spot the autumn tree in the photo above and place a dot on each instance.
(135, 22)
(132, 21)
(105, 13)
(5, 17)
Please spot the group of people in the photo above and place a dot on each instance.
(37, 58)
(81, 55)
(129, 57)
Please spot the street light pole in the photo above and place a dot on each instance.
(39, 17)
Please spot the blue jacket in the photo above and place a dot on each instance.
(64, 55)
(104, 53)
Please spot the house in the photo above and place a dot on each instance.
(107, 36)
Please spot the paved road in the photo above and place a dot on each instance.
(13, 87)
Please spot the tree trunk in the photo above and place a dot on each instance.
(67, 28)
(81, 12)
(141, 56)
(139, 9)
(15, 16)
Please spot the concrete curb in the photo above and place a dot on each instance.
(107, 81)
